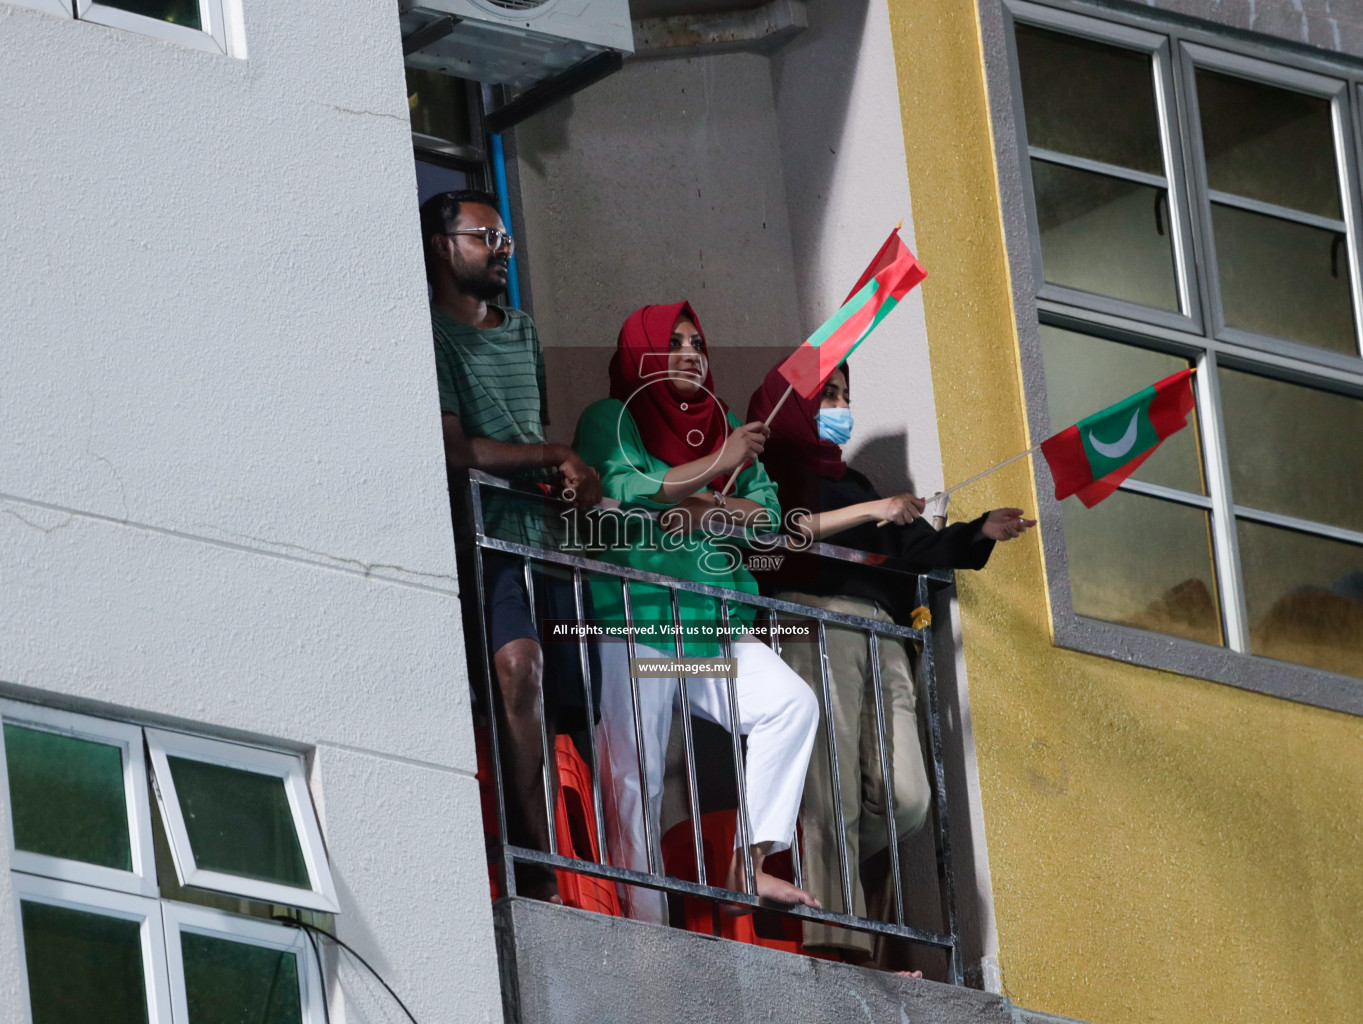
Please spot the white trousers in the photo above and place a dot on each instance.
(777, 712)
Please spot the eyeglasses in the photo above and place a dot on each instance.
(493, 238)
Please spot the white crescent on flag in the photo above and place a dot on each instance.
(1122, 445)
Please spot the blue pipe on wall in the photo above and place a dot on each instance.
(513, 282)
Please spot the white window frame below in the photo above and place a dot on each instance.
(28, 888)
(128, 738)
(212, 37)
(289, 768)
(182, 917)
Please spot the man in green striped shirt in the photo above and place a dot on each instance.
(490, 369)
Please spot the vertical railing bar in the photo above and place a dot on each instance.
(488, 685)
(504, 863)
(640, 747)
(891, 828)
(740, 773)
(943, 837)
(796, 867)
(839, 822)
(584, 663)
(547, 768)
(689, 746)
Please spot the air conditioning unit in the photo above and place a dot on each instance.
(512, 42)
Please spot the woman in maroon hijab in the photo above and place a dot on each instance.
(664, 443)
(823, 497)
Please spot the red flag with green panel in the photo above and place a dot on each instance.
(1095, 455)
(891, 275)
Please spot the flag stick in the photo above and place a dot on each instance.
(1005, 462)
(979, 476)
(766, 423)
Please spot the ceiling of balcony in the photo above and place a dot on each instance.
(668, 8)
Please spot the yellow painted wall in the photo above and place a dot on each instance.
(1163, 849)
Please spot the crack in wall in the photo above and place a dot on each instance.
(359, 565)
(274, 549)
(366, 113)
(39, 526)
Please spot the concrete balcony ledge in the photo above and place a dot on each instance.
(566, 966)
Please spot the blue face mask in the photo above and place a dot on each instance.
(834, 424)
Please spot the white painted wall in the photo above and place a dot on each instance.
(842, 149)
(222, 500)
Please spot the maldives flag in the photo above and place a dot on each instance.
(1100, 451)
(891, 275)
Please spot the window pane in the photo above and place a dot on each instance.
(239, 822)
(1146, 563)
(1305, 597)
(67, 797)
(1085, 374)
(1284, 279)
(1105, 235)
(1269, 144)
(230, 982)
(177, 12)
(83, 966)
(1088, 99)
(439, 106)
(1294, 450)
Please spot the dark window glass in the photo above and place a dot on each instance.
(1284, 279)
(1088, 99)
(177, 12)
(1294, 450)
(1105, 235)
(1146, 563)
(1304, 595)
(230, 982)
(239, 822)
(83, 967)
(67, 797)
(439, 106)
(1269, 144)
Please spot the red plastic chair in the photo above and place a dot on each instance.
(717, 830)
(574, 820)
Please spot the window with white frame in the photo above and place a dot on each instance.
(240, 821)
(1196, 202)
(197, 23)
(98, 942)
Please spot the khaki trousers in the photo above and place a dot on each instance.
(861, 783)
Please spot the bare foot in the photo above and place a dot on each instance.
(538, 884)
(768, 887)
(909, 974)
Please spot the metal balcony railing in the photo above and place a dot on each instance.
(926, 585)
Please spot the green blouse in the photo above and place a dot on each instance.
(609, 440)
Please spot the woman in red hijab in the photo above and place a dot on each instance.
(823, 497)
(664, 443)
